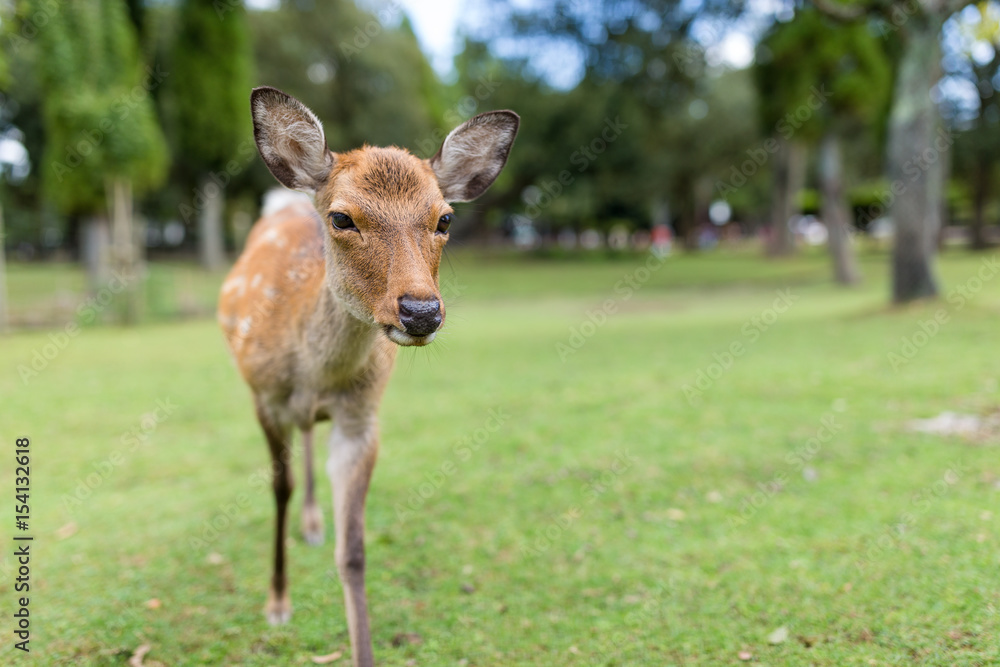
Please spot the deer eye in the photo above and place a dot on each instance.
(444, 222)
(341, 221)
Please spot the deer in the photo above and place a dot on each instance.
(322, 296)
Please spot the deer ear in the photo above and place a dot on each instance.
(471, 157)
(290, 139)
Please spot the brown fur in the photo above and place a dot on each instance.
(311, 312)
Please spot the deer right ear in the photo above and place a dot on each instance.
(471, 157)
(290, 139)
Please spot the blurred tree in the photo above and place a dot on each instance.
(205, 102)
(914, 134)
(632, 138)
(978, 148)
(819, 84)
(4, 318)
(103, 139)
(363, 73)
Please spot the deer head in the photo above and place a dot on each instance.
(386, 213)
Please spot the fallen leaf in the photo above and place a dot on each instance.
(216, 559)
(67, 531)
(675, 514)
(327, 659)
(468, 589)
(778, 636)
(140, 653)
(574, 650)
(714, 497)
(745, 655)
(153, 603)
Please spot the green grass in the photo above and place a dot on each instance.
(607, 521)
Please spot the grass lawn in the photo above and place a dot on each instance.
(547, 494)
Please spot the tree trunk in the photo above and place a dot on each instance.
(124, 256)
(95, 252)
(915, 163)
(789, 177)
(4, 318)
(835, 212)
(977, 233)
(210, 238)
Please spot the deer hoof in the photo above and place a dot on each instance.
(278, 609)
(312, 525)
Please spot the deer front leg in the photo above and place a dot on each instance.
(279, 605)
(353, 450)
(312, 516)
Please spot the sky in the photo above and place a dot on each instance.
(437, 23)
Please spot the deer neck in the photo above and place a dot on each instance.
(342, 344)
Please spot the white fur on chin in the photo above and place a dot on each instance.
(400, 337)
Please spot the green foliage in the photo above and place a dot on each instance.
(363, 74)
(206, 95)
(98, 115)
(845, 62)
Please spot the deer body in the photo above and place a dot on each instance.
(321, 297)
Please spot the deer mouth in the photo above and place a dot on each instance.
(400, 337)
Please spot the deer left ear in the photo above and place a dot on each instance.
(473, 155)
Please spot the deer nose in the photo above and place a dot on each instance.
(419, 317)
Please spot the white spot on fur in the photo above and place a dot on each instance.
(244, 326)
(236, 282)
(256, 280)
(274, 235)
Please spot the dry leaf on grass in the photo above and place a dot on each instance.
(153, 603)
(745, 656)
(140, 653)
(327, 659)
(67, 531)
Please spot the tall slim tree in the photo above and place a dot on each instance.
(915, 154)
(4, 318)
(206, 107)
(103, 139)
(824, 84)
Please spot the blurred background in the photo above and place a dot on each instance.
(715, 386)
(125, 138)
